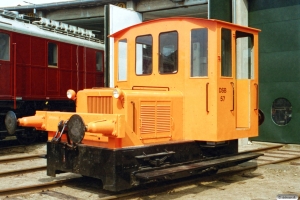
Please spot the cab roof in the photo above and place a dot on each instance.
(179, 19)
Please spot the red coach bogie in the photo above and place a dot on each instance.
(40, 61)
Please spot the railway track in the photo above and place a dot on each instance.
(272, 155)
(25, 170)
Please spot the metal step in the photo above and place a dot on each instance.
(230, 160)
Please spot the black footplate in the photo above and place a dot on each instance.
(194, 168)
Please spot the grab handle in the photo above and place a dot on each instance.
(207, 97)
(256, 103)
(232, 84)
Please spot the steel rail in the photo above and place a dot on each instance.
(260, 165)
(22, 171)
(35, 187)
(263, 148)
(12, 147)
(19, 146)
(27, 157)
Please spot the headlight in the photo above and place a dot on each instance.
(117, 93)
(71, 94)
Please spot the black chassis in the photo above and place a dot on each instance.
(117, 167)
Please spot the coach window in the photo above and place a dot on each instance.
(143, 55)
(281, 111)
(99, 61)
(226, 63)
(52, 55)
(122, 60)
(199, 52)
(4, 46)
(168, 52)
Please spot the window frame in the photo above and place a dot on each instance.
(226, 72)
(193, 73)
(124, 65)
(6, 56)
(176, 68)
(99, 60)
(144, 67)
(51, 63)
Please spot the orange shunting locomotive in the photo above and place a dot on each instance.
(186, 90)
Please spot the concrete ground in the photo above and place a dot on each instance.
(263, 183)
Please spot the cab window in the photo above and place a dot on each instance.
(4, 46)
(199, 52)
(244, 55)
(226, 64)
(122, 60)
(168, 52)
(143, 55)
(99, 61)
(52, 55)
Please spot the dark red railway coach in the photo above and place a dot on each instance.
(39, 62)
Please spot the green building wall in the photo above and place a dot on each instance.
(279, 64)
(221, 9)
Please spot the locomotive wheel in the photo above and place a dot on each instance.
(26, 137)
(11, 122)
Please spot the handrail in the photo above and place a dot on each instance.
(232, 84)
(256, 103)
(207, 97)
(155, 88)
(15, 75)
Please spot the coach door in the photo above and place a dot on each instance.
(5, 62)
(244, 74)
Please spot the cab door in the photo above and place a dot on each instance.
(226, 84)
(235, 85)
(244, 74)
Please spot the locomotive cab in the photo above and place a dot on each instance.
(183, 95)
(211, 65)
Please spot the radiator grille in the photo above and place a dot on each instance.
(155, 117)
(100, 104)
(147, 119)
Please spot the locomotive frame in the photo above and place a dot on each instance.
(183, 96)
(39, 60)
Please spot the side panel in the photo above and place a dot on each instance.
(65, 68)
(38, 69)
(23, 45)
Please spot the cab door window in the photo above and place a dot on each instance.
(226, 57)
(244, 55)
(4, 46)
(199, 52)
